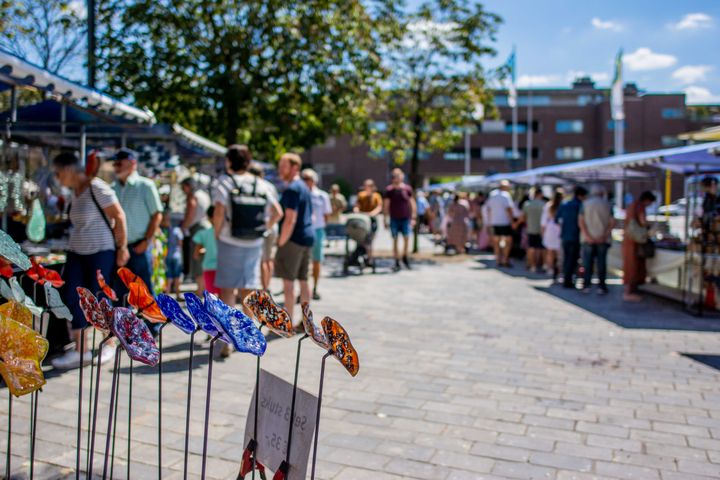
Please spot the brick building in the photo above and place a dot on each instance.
(567, 125)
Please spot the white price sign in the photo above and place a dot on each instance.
(274, 424)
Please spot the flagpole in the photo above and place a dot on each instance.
(617, 113)
(528, 155)
(514, 133)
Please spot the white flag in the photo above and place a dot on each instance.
(512, 91)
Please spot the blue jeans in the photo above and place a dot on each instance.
(80, 271)
(571, 253)
(592, 253)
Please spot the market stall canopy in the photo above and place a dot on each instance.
(688, 159)
(17, 72)
(711, 134)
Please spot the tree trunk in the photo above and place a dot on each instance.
(414, 169)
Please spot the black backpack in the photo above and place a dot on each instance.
(247, 212)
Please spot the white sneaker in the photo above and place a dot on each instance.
(107, 354)
(70, 360)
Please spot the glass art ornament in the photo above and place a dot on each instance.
(174, 312)
(140, 297)
(109, 292)
(35, 229)
(55, 303)
(16, 191)
(340, 345)
(4, 189)
(11, 251)
(92, 311)
(240, 328)
(204, 320)
(134, 336)
(21, 352)
(269, 313)
(41, 275)
(12, 291)
(18, 312)
(314, 331)
(6, 269)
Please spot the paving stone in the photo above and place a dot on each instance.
(561, 461)
(522, 470)
(410, 468)
(462, 461)
(630, 472)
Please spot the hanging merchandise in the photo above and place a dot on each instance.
(4, 190)
(16, 192)
(36, 225)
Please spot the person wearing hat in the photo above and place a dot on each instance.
(500, 212)
(143, 209)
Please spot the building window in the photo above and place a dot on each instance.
(522, 127)
(668, 113)
(493, 153)
(524, 100)
(522, 153)
(569, 153)
(458, 154)
(493, 126)
(611, 125)
(670, 141)
(569, 126)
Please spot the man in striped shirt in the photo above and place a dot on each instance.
(140, 200)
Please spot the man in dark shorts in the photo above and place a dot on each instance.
(500, 211)
(296, 233)
(400, 209)
(532, 218)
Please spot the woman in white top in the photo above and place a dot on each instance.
(551, 233)
(98, 241)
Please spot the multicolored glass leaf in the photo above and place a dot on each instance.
(92, 311)
(313, 330)
(340, 345)
(21, 352)
(174, 312)
(268, 313)
(11, 251)
(140, 297)
(134, 336)
(240, 328)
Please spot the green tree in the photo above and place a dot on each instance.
(51, 33)
(436, 80)
(276, 74)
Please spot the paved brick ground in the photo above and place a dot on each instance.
(467, 372)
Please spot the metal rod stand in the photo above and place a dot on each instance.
(292, 405)
(129, 436)
(91, 453)
(257, 410)
(34, 413)
(8, 459)
(80, 396)
(317, 415)
(90, 398)
(189, 397)
(111, 411)
(207, 405)
(115, 417)
(160, 370)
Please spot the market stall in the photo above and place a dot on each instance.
(687, 262)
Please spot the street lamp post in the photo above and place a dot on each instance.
(477, 115)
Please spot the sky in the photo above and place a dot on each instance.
(668, 45)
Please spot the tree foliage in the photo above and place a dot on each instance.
(276, 74)
(51, 33)
(436, 80)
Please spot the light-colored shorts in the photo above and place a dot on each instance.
(291, 261)
(318, 249)
(269, 244)
(238, 267)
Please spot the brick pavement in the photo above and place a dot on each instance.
(466, 373)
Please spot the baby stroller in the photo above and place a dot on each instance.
(358, 227)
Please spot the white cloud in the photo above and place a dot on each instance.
(525, 81)
(700, 95)
(645, 59)
(691, 73)
(693, 21)
(606, 25)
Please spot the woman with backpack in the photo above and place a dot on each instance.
(241, 222)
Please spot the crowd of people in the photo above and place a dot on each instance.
(567, 235)
(231, 240)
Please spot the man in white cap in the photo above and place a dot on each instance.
(500, 209)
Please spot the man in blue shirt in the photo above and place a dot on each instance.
(296, 231)
(567, 216)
